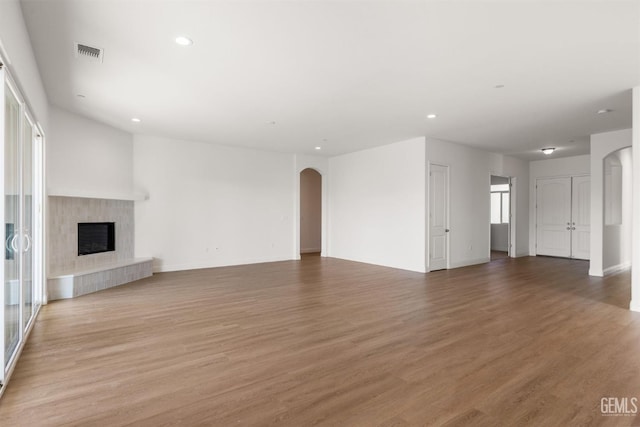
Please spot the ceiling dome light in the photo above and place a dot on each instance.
(184, 41)
(318, 148)
(135, 120)
(604, 111)
(548, 150)
(431, 116)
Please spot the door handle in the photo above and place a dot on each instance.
(28, 245)
(446, 230)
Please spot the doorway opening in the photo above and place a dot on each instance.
(617, 201)
(500, 240)
(310, 213)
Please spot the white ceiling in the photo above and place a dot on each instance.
(346, 75)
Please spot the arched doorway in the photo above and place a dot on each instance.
(310, 212)
(617, 198)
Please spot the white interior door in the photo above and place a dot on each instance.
(438, 217)
(580, 217)
(553, 217)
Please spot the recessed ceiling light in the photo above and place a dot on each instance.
(604, 111)
(499, 86)
(184, 41)
(135, 119)
(318, 148)
(431, 116)
(548, 150)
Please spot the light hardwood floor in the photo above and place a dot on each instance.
(527, 341)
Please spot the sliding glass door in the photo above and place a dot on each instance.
(28, 210)
(12, 224)
(21, 210)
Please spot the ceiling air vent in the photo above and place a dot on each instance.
(94, 54)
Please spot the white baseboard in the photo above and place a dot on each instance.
(596, 272)
(209, 264)
(616, 268)
(468, 262)
(416, 269)
(634, 305)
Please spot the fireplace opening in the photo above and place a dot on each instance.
(96, 237)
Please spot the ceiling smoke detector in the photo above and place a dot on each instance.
(94, 54)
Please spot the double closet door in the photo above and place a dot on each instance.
(563, 213)
(21, 212)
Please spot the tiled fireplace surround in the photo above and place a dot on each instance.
(71, 275)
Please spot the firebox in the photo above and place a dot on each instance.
(96, 237)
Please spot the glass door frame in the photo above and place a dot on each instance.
(36, 205)
(38, 231)
(3, 78)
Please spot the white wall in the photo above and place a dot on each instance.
(469, 200)
(500, 237)
(470, 208)
(635, 223)
(15, 41)
(377, 205)
(564, 166)
(86, 156)
(310, 211)
(626, 156)
(211, 205)
(602, 145)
